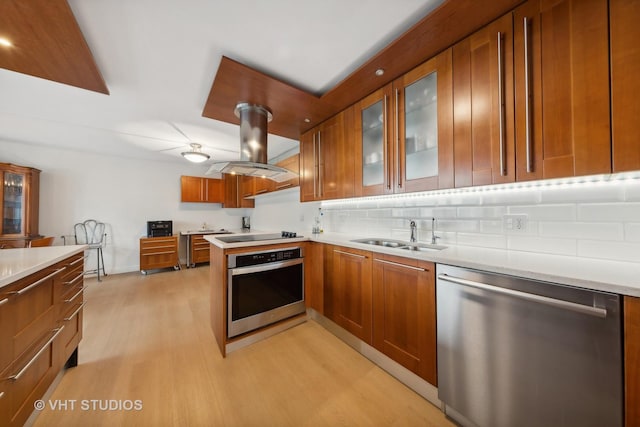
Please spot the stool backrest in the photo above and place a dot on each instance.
(89, 232)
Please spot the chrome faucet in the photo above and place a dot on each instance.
(414, 232)
(433, 231)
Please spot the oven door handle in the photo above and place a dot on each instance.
(265, 267)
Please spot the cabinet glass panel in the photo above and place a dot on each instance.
(13, 203)
(373, 145)
(421, 128)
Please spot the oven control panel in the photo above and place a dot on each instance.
(257, 258)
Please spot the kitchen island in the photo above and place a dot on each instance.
(41, 302)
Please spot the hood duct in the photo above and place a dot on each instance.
(253, 146)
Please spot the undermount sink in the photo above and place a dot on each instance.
(381, 242)
(423, 247)
(399, 244)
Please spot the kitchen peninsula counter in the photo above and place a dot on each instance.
(18, 263)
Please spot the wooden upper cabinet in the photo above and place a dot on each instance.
(625, 84)
(483, 106)
(326, 159)
(233, 192)
(291, 163)
(404, 132)
(423, 128)
(562, 108)
(201, 190)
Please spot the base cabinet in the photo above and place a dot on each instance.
(159, 252)
(404, 313)
(45, 329)
(198, 249)
(347, 293)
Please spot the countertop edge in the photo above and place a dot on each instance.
(25, 261)
(595, 274)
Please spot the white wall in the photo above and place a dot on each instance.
(282, 210)
(122, 192)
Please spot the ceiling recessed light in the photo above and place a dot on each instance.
(5, 42)
(379, 72)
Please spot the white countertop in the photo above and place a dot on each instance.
(221, 231)
(596, 274)
(21, 262)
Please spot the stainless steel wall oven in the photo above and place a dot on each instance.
(263, 288)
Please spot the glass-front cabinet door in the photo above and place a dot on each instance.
(424, 126)
(374, 146)
(13, 203)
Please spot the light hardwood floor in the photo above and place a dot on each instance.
(148, 338)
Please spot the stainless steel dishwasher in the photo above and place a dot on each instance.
(515, 352)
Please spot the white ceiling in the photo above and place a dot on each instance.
(159, 59)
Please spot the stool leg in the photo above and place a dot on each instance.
(104, 273)
(98, 261)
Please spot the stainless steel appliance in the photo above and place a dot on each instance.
(517, 352)
(263, 288)
(159, 228)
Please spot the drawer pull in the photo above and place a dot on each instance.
(349, 253)
(397, 264)
(159, 253)
(17, 376)
(33, 285)
(75, 296)
(1, 394)
(4, 301)
(75, 279)
(77, 261)
(66, 319)
(281, 186)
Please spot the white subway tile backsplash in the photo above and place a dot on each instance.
(614, 212)
(582, 230)
(600, 220)
(546, 212)
(542, 245)
(632, 232)
(596, 193)
(482, 240)
(620, 251)
(481, 212)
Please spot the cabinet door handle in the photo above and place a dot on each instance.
(66, 319)
(349, 253)
(75, 296)
(77, 261)
(315, 167)
(503, 170)
(397, 264)
(281, 186)
(397, 138)
(4, 301)
(1, 394)
(17, 376)
(527, 95)
(75, 279)
(33, 285)
(159, 253)
(385, 142)
(320, 166)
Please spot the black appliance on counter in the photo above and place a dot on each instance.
(159, 228)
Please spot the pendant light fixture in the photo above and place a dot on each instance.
(195, 155)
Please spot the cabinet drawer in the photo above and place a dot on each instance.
(31, 376)
(72, 333)
(5, 404)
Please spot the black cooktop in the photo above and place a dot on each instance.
(238, 238)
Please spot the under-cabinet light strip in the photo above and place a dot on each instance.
(561, 183)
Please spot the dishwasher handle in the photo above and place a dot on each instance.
(558, 303)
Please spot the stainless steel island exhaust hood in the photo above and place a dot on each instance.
(253, 146)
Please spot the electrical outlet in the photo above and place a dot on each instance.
(515, 222)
